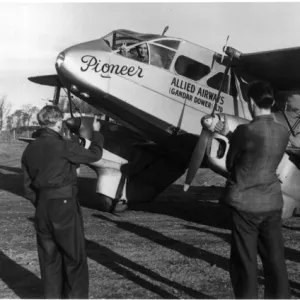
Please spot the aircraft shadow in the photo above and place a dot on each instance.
(120, 265)
(194, 206)
(24, 283)
(12, 182)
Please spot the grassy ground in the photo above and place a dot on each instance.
(175, 247)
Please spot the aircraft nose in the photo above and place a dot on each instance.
(60, 60)
(79, 67)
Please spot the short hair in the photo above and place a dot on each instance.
(262, 94)
(49, 115)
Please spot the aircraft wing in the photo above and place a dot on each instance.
(50, 80)
(280, 67)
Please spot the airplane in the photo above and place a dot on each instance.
(159, 103)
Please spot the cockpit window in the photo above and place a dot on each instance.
(116, 39)
(169, 43)
(139, 52)
(190, 68)
(160, 56)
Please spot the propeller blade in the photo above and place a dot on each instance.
(197, 158)
(86, 128)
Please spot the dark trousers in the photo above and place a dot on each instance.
(61, 248)
(260, 233)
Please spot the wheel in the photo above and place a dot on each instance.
(108, 204)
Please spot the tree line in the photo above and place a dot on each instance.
(25, 116)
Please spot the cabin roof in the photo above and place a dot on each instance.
(140, 36)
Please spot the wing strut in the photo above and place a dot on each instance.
(70, 104)
(287, 121)
(56, 95)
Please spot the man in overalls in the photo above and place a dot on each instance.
(50, 182)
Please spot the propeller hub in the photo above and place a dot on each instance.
(207, 121)
(231, 52)
(73, 124)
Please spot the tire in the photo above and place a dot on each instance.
(107, 204)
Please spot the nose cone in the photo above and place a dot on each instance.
(207, 121)
(73, 124)
(76, 53)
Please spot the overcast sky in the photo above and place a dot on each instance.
(33, 34)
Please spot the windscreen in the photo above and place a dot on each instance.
(116, 39)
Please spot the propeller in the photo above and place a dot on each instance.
(165, 30)
(206, 122)
(225, 48)
(197, 157)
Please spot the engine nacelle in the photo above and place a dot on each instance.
(288, 173)
(110, 180)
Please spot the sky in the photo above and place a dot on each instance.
(33, 34)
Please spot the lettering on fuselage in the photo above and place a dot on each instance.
(92, 63)
(190, 92)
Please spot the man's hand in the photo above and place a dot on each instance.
(96, 123)
(220, 126)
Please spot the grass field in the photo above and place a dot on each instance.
(175, 247)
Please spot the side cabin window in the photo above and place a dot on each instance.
(161, 56)
(216, 80)
(190, 68)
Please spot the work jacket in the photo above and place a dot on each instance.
(49, 164)
(255, 152)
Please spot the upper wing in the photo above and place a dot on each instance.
(280, 67)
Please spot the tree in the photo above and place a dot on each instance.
(18, 119)
(9, 122)
(22, 117)
(5, 108)
(28, 112)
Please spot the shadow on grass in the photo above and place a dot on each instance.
(120, 265)
(290, 227)
(224, 236)
(290, 254)
(11, 169)
(12, 183)
(21, 281)
(193, 206)
(170, 243)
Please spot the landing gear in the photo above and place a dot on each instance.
(108, 204)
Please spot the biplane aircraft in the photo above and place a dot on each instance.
(160, 97)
